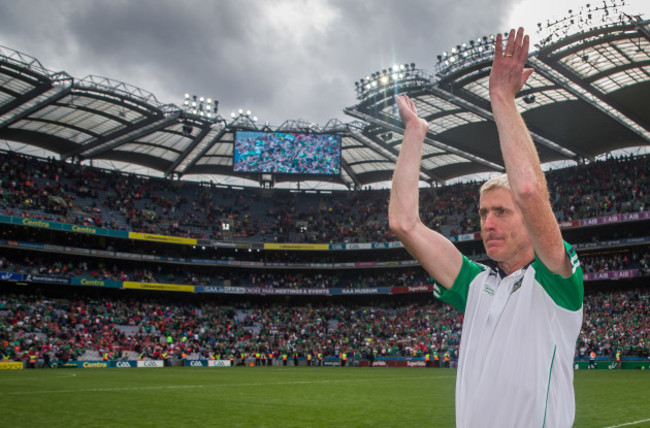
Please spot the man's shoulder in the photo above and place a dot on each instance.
(568, 292)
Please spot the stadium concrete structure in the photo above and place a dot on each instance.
(588, 97)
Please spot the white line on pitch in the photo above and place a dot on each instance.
(629, 423)
(149, 388)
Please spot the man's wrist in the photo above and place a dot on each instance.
(416, 128)
(500, 101)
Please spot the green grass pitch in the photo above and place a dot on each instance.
(281, 397)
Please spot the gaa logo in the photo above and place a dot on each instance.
(149, 363)
(195, 364)
(122, 364)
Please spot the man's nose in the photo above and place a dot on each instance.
(488, 221)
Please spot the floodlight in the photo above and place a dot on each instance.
(197, 106)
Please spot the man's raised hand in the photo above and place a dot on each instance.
(409, 114)
(508, 74)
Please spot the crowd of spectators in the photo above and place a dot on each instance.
(279, 152)
(121, 270)
(616, 262)
(614, 321)
(66, 329)
(83, 195)
(48, 329)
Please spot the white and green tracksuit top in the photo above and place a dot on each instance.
(515, 367)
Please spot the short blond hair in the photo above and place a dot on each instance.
(497, 182)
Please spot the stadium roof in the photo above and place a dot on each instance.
(588, 96)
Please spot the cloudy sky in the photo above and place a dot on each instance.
(281, 59)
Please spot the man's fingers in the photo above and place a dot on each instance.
(526, 74)
(516, 45)
(522, 54)
(508, 72)
(510, 44)
(406, 101)
(518, 41)
(400, 100)
(498, 48)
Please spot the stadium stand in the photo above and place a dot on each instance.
(98, 325)
(95, 328)
(102, 264)
(55, 191)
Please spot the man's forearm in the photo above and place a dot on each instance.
(507, 78)
(519, 153)
(403, 210)
(527, 181)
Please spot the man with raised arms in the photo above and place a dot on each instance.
(523, 312)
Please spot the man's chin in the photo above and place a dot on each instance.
(494, 254)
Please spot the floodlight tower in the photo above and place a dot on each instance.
(205, 108)
(391, 78)
(466, 54)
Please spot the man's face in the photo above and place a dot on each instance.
(502, 227)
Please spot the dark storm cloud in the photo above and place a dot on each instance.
(280, 59)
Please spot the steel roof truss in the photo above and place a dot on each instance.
(103, 144)
(558, 73)
(37, 104)
(195, 141)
